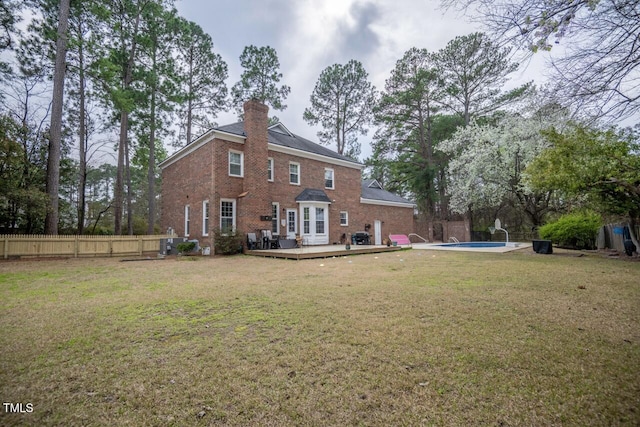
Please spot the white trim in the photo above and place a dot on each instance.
(240, 139)
(299, 173)
(377, 232)
(313, 156)
(312, 237)
(283, 128)
(346, 217)
(205, 219)
(375, 181)
(241, 163)
(292, 234)
(200, 142)
(271, 162)
(385, 203)
(187, 220)
(333, 179)
(277, 217)
(235, 213)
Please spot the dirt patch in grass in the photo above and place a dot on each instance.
(415, 338)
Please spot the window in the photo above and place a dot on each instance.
(319, 220)
(344, 218)
(235, 163)
(328, 178)
(275, 226)
(306, 220)
(227, 214)
(270, 169)
(186, 220)
(294, 173)
(205, 218)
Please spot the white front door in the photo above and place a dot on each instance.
(314, 223)
(292, 223)
(377, 232)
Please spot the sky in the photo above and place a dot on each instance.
(310, 35)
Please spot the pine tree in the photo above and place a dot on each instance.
(342, 103)
(260, 79)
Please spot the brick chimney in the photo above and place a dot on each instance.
(257, 201)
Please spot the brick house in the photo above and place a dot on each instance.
(252, 177)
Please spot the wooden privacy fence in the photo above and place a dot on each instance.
(18, 245)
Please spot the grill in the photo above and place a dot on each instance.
(360, 238)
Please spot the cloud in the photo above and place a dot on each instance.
(310, 36)
(356, 38)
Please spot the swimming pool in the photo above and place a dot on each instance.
(473, 246)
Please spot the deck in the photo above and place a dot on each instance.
(322, 251)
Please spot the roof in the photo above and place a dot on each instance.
(372, 190)
(279, 139)
(313, 195)
(278, 134)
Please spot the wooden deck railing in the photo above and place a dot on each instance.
(24, 245)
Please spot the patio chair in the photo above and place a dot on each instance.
(269, 241)
(252, 241)
(400, 239)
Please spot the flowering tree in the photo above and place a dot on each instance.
(488, 161)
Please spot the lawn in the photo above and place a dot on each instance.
(409, 338)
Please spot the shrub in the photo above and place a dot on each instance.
(576, 230)
(227, 242)
(185, 247)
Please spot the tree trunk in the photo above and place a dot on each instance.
(151, 173)
(118, 191)
(339, 136)
(55, 131)
(82, 141)
(190, 97)
(129, 195)
(124, 128)
(632, 232)
(426, 146)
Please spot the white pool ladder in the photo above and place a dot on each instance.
(453, 239)
(419, 237)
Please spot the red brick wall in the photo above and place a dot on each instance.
(256, 200)
(394, 220)
(186, 182)
(181, 185)
(204, 175)
(442, 230)
(344, 196)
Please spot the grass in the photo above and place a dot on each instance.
(415, 338)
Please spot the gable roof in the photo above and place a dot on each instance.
(279, 135)
(281, 128)
(279, 139)
(373, 193)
